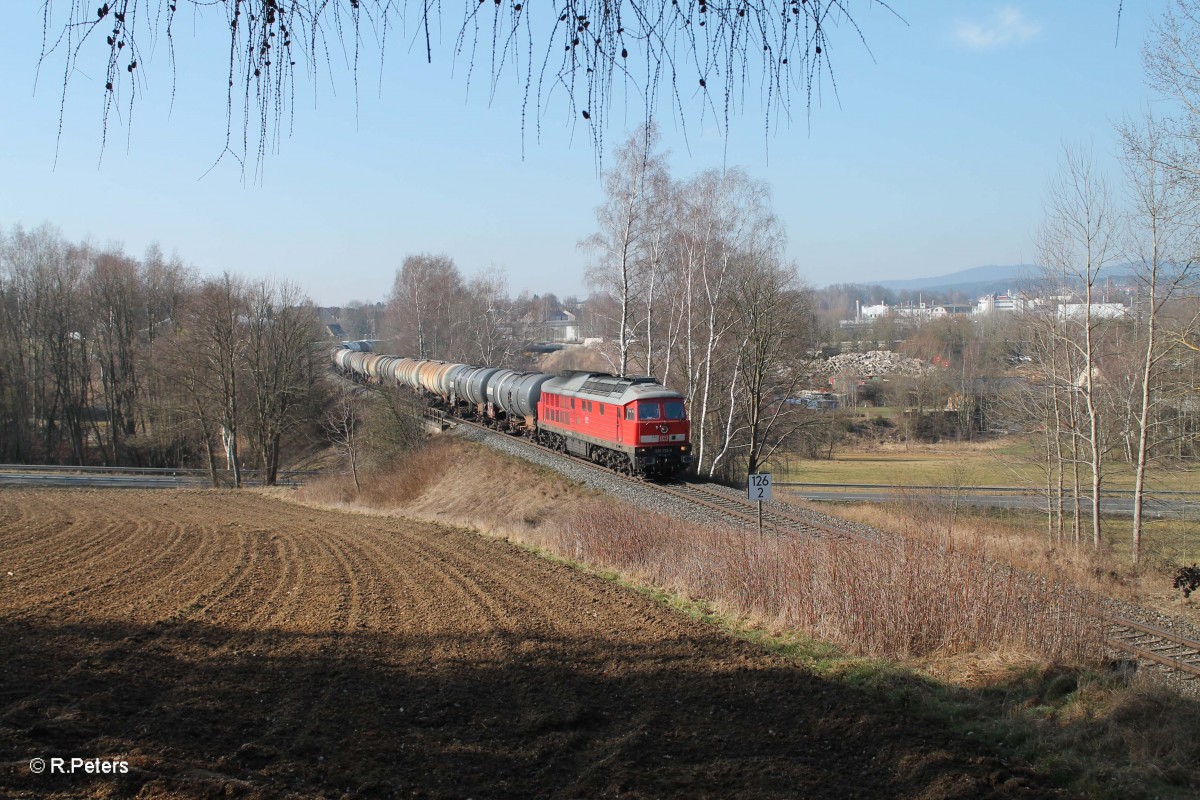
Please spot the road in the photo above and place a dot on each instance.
(127, 477)
(100, 481)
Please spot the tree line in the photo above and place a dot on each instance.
(108, 359)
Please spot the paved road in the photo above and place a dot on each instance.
(100, 481)
(132, 477)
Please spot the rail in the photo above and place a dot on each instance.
(1162, 647)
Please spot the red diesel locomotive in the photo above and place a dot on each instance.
(632, 425)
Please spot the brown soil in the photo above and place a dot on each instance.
(228, 644)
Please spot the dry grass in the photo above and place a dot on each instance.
(1109, 734)
(897, 601)
(1019, 539)
(457, 483)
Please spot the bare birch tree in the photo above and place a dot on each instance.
(216, 331)
(631, 231)
(1076, 241)
(343, 423)
(487, 318)
(115, 292)
(422, 310)
(774, 326)
(1162, 249)
(197, 399)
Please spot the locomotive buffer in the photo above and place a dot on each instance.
(758, 487)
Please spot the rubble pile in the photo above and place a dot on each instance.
(874, 362)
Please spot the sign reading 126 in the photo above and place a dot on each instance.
(758, 486)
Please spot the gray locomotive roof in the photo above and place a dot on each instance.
(609, 388)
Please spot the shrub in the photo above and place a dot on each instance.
(1188, 579)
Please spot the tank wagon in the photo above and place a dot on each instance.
(633, 425)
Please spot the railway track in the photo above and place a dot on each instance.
(742, 511)
(722, 505)
(1149, 645)
(1154, 645)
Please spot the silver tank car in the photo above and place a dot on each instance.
(369, 364)
(443, 379)
(383, 368)
(453, 381)
(357, 363)
(475, 384)
(392, 375)
(495, 385)
(517, 393)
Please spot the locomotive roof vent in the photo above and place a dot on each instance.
(607, 385)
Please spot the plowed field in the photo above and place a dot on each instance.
(227, 644)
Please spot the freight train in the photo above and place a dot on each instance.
(633, 425)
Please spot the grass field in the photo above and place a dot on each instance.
(1007, 463)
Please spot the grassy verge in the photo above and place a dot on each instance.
(1019, 538)
(1100, 732)
(900, 599)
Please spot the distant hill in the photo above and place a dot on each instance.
(990, 278)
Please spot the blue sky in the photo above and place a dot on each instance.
(932, 158)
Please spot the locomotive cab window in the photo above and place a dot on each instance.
(649, 411)
(628, 412)
(673, 409)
